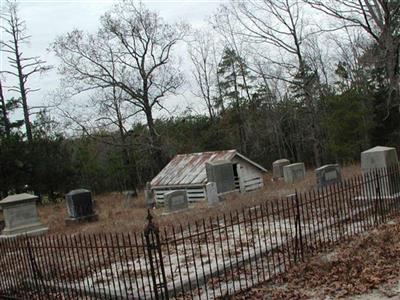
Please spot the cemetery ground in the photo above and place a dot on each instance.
(366, 267)
(115, 217)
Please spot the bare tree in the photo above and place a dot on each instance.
(201, 51)
(281, 26)
(142, 65)
(23, 67)
(380, 19)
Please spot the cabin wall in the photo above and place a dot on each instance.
(250, 177)
(194, 194)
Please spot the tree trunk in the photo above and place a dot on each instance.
(21, 79)
(155, 144)
(242, 132)
(128, 176)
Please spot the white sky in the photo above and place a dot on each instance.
(45, 20)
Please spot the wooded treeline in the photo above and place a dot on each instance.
(313, 81)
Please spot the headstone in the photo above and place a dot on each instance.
(277, 167)
(212, 193)
(20, 216)
(328, 174)
(149, 196)
(175, 201)
(294, 172)
(221, 172)
(80, 206)
(129, 198)
(380, 157)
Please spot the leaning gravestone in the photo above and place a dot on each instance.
(277, 167)
(221, 172)
(294, 172)
(80, 206)
(328, 174)
(175, 201)
(212, 193)
(20, 216)
(129, 198)
(149, 196)
(380, 158)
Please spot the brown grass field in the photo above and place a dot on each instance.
(115, 217)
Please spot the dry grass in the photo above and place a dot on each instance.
(115, 217)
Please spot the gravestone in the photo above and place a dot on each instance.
(212, 193)
(380, 158)
(149, 196)
(277, 167)
(328, 174)
(175, 201)
(80, 206)
(20, 216)
(221, 172)
(129, 198)
(294, 172)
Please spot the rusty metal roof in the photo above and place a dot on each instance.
(190, 169)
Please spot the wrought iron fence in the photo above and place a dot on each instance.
(207, 259)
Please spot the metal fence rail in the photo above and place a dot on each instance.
(203, 260)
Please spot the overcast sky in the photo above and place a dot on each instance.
(46, 20)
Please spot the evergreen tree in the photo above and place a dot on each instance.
(234, 84)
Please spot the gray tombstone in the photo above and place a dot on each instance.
(277, 167)
(149, 196)
(129, 198)
(20, 216)
(221, 172)
(380, 158)
(212, 193)
(328, 174)
(294, 172)
(175, 201)
(80, 206)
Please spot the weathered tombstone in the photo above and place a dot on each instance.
(80, 206)
(212, 193)
(20, 216)
(129, 198)
(221, 172)
(149, 196)
(294, 172)
(175, 201)
(328, 174)
(277, 167)
(380, 158)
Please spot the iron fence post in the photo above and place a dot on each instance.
(378, 206)
(37, 275)
(157, 270)
(299, 237)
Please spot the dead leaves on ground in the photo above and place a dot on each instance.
(370, 261)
